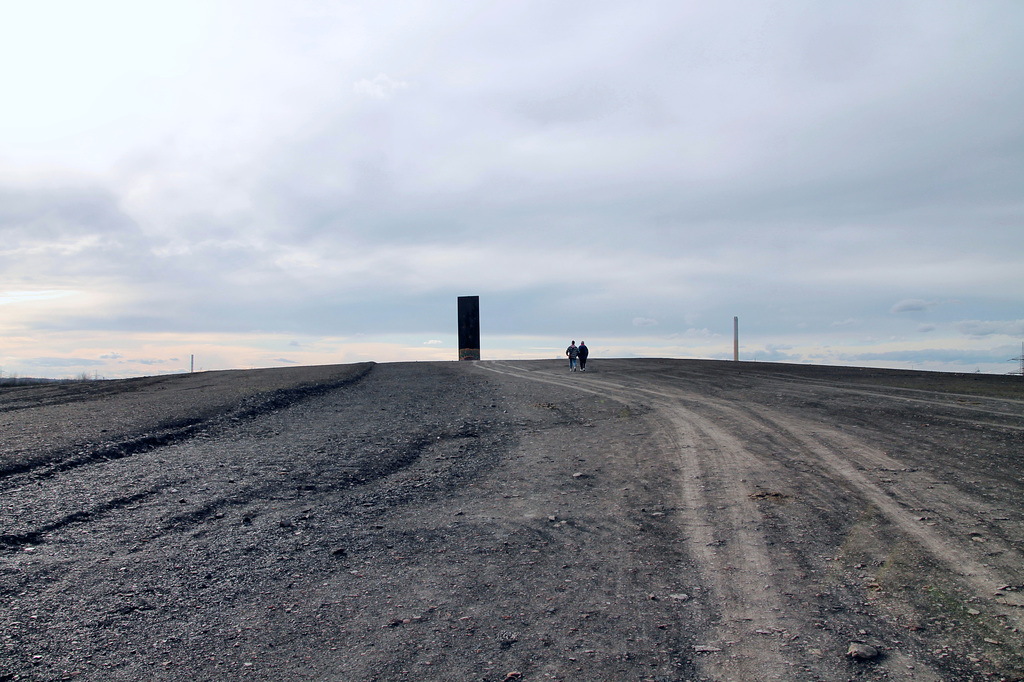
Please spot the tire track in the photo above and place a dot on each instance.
(722, 525)
(842, 455)
(845, 456)
(732, 451)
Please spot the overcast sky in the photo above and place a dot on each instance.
(271, 183)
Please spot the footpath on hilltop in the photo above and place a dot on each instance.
(647, 520)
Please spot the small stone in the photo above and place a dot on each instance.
(578, 475)
(705, 649)
(861, 652)
(679, 596)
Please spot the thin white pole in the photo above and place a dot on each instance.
(736, 339)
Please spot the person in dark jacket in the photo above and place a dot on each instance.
(583, 352)
(572, 351)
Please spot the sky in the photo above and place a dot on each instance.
(236, 184)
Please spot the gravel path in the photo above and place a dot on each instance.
(646, 520)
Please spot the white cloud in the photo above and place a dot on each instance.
(247, 173)
(911, 305)
(380, 86)
(9, 297)
(991, 327)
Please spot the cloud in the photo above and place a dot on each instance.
(925, 355)
(770, 353)
(990, 328)
(380, 86)
(63, 363)
(433, 342)
(811, 171)
(10, 297)
(694, 333)
(912, 305)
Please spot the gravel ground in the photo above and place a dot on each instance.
(646, 520)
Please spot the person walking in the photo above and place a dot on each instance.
(572, 351)
(583, 352)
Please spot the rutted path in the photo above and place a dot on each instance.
(746, 455)
(648, 520)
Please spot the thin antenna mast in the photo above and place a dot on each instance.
(736, 339)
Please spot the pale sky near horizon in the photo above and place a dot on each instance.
(272, 183)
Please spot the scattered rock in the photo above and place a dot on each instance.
(679, 596)
(706, 649)
(861, 652)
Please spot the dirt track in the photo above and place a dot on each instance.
(646, 520)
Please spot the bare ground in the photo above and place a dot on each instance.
(646, 520)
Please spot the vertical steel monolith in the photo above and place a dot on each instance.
(469, 327)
